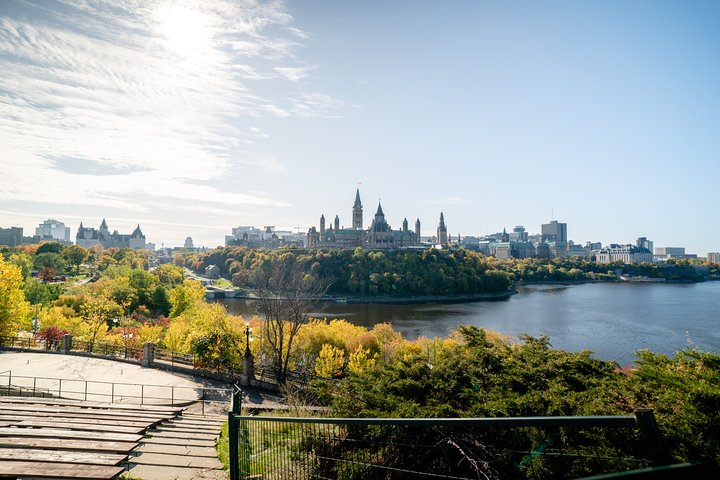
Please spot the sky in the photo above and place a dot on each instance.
(190, 118)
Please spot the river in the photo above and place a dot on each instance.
(611, 319)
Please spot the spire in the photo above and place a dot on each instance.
(379, 211)
(137, 233)
(103, 225)
(81, 225)
(357, 203)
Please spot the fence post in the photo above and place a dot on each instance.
(650, 433)
(66, 344)
(233, 433)
(148, 354)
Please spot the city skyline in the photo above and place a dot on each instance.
(192, 118)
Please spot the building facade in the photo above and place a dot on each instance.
(623, 253)
(52, 229)
(89, 237)
(554, 232)
(12, 237)
(269, 237)
(379, 235)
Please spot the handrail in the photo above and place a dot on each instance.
(493, 422)
(51, 385)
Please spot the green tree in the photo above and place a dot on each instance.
(50, 260)
(76, 255)
(50, 247)
(37, 292)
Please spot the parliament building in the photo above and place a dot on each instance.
(378, 236)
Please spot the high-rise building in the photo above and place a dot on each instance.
(643, 242)
(188, 243)
(519, 234)
(713, 257)
(554, 231)
(52, 229)
(442, 237)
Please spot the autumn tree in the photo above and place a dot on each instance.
(14, 309)
(286, 295)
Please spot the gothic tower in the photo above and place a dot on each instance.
(337, 223)
(405, 225)
(417, 229)
(357, 216)
(442, 237)
(322, 228)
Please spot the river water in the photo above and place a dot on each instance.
(613, 320)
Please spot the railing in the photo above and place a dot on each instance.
(113, 392)
(450, 448)
(263, 373)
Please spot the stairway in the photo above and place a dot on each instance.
(182, 448)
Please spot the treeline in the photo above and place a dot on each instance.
(367, 273)
(402, 273)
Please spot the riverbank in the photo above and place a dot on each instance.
(412, 300)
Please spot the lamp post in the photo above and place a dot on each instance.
(248, 367)
(248, 339)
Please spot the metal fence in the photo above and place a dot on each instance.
(113, 392)
(451, 448)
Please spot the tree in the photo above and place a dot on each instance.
(50, 260)
(50, 247)
(37, 292)
(99, 314)
(286, 295)
(185, 296)
(76, 255)
(14, 309)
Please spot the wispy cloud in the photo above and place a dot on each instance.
(294, 74)
(116, 103)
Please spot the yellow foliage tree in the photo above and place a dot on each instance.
(361, 360)
(14, 309)
(330, 362)
(186, 296)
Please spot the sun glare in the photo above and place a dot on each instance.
(184, 30)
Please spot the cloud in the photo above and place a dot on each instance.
(120, 104)
(318, 105)
(294, 74)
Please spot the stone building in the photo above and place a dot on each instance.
(379, 235)
(88, 237)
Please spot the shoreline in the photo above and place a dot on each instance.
(419, 299)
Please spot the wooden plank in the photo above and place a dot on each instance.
(88, 404)
(58, 470)
(74, 434)
(80, 412)
(72, 419)
(61, 456)
(67, 444)
(81, 426)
